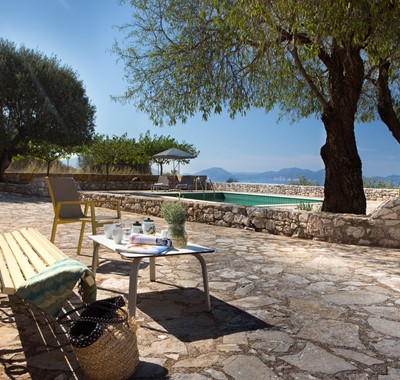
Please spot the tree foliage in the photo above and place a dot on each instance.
(374, 183)
(105, 153)
(302, 180)
(47, 152)
(334, 59)
(149, 145)
(120, 152)
(41, 102)
(29, 164)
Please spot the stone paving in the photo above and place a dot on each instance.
(282, 308)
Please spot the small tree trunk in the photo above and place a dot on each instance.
(5, 161)
(344, 191)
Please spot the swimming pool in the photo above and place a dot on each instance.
(245, 199)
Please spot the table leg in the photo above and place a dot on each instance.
(95, 258)
(205, 279)
(152, 269)
(133, 280)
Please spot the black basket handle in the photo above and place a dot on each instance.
(105, 311)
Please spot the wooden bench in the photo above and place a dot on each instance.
(23, 254)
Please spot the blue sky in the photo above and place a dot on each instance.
(81, 33)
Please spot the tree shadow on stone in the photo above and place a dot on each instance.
(182, 313)
(116, 266)
(21, 198)
(149, 370)
(44, 352)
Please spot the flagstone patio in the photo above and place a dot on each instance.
(282, 308)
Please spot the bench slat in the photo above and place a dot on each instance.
(7, 285)
(32, 256)
(55, 251)
(21, 259)
(23, 254)
(47, 251)
(45, 246)
(13, 268)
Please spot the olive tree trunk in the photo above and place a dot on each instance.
(344, 191)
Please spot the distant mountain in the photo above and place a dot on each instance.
(277, 177)
(216, 174)
(284, 176)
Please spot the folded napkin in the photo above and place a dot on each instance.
(50, 289)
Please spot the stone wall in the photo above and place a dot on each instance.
(94, 178)
(34, 184)
(379, 229)
(297, 191)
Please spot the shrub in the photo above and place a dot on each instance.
(303, 181)
(303, 206)
(173, 212)
(372, 183)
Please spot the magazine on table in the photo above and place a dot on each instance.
(145, 244)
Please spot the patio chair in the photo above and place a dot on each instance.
(68, 207)
(161, 184)
(186, 183)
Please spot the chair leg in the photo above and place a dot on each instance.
(94, 232)
(81, 238)
(53, 231)
(94, 229)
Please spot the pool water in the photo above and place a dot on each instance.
(241, 198)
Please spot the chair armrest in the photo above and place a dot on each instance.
(100, 202)
(83, 203)
(117, 203)
(87, 204)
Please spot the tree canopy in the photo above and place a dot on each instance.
(121, 152)
(41, 102)
(149, 145)
(106, 152)
(47, 152)
(338, 60)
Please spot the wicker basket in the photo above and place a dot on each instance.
(104, 341)
(114, 355)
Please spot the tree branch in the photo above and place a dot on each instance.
(385, 102)
(305, 75)
(305, 40)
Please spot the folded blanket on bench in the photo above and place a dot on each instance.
(49, 290)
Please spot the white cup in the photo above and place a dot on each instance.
(108, 230)
(117, 235)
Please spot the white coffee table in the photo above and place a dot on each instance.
(191, 249)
